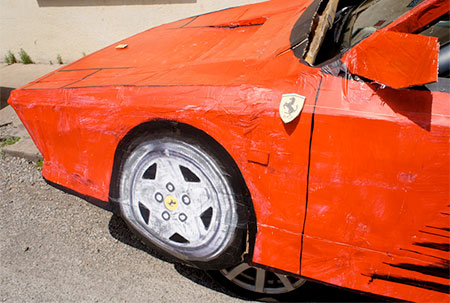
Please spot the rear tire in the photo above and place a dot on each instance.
(258, 283)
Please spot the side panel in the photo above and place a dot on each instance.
(77, 131)
(378, 210)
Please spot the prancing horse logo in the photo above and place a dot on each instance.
(291, 106)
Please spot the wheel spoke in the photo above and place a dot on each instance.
(260, 280)
(201, 198)
(168, 171)
(147, 198)
(191, 230)
(201, 226)
(286, 282)
(163, 228)
(236, 271)
(144, 190)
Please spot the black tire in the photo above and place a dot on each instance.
(182, 194)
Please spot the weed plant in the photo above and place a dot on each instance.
(10, 58)
(9, 141)
(24, 57)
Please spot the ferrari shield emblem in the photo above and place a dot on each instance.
(291, 106)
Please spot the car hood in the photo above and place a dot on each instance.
(224, 47)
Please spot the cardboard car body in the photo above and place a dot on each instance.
(352, 192)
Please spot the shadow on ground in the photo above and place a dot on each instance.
(311, 292)
(4, 95)
(119, 231)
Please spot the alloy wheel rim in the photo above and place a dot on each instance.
(179, 197)
(261, 281)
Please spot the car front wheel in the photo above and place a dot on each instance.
(180, 194)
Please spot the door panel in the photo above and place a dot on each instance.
(379, 189)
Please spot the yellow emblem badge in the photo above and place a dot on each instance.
(171, 202)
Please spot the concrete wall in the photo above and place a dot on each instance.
(69, 28)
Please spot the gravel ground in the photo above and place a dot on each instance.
(57, 247)
(5, 130)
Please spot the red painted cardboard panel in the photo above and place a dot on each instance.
(373, 271)
(398, 60)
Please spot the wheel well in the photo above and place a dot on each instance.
(125, 146)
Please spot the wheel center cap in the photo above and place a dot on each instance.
(171, 202)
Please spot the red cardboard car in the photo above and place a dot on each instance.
(276, 142)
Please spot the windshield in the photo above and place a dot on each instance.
(372, 15)
(440, 30)
(356, 20)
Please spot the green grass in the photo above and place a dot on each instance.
(9, 141)
(10, 58)
(24, 57)
(38, 164)
(59, 59)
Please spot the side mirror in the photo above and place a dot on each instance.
(398, 60)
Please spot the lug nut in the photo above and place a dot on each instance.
(182, 217)
(186, 200)
(170, 187)
(166, 216)
(159, 197)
